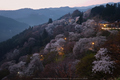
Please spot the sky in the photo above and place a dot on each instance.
(38, 4)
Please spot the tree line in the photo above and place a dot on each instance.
(109, 12)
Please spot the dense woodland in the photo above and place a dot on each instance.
(108, 12)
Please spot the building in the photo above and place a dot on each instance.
(105, 25)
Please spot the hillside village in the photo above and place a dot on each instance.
(76, 46)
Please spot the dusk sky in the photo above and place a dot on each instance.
(37, 4)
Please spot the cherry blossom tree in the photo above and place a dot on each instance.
(55, 45)
(17, 67)
(34, 65)
(74, 36)
(85, 44)
(103, 62)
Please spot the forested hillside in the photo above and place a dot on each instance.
(73, 47)
(108, 12)
(10, 27)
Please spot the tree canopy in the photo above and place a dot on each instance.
(108, 12)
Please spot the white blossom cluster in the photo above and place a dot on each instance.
(50, 28)
(55, 44)
(59, 22)
(103, 62)
(6, 65)
(12, 55)
(78, 28)
(21, 68)
(71, 21)
(87, 28)
(31, 39)
(77, 18)
(90, 23)
(85, 44)
(17, 67)
(88, 32)
(35, 64)
(74, 36)
(54, 24)
(59, 36)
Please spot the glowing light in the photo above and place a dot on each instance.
(61, 53)
(104, 25)
(18, 72)
(41, 58)
(109, 28)
(90, 49)
(93, 43)
(62, 48)
(65, 38)
(41, 55)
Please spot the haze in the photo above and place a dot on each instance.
(37, 4)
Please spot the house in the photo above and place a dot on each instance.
(105, 25)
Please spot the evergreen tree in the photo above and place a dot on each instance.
(50, 20)
(80, 20)
(44, 34)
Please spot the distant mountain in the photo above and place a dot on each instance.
(35, 17)
(10, 27)
(40, 16)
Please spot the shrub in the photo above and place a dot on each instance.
(84, 67)
(50, 57)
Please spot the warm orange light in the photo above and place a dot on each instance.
(104, 25)
(61, 53)
(62, 48)
(90, 48)
(41, 55)
(65, 38)
(93, 43)
(41, 59)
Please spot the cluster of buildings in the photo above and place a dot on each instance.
(105, 25)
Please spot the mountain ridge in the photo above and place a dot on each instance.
(24, 14)
(10, 29)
